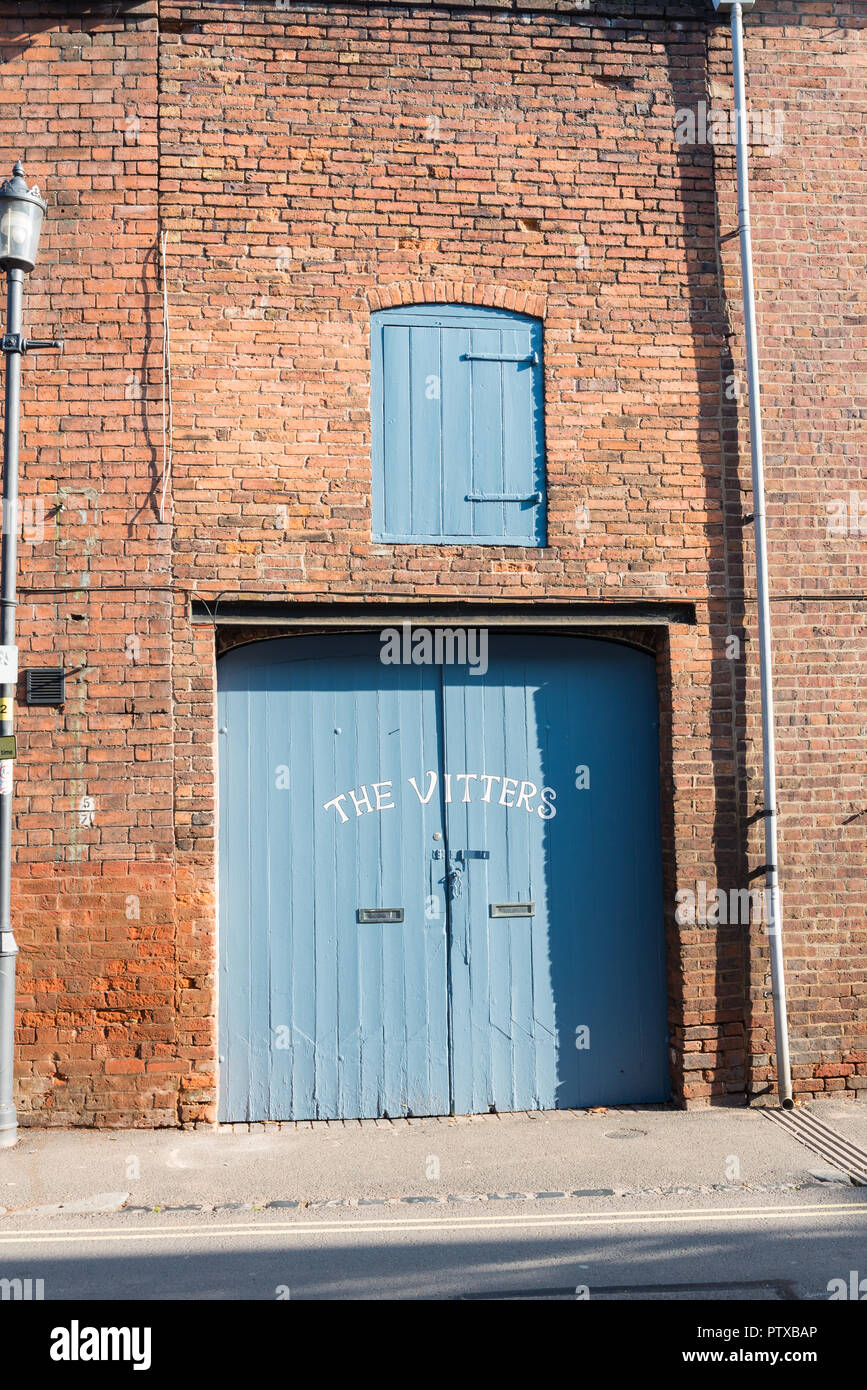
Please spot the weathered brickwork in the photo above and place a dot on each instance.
(307, 165)
(94, 896)
(810, 257)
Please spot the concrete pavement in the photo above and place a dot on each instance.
(646, 1152)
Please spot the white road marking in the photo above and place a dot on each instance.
(108, 1235)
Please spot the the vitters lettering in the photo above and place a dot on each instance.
(77, 1343)
(458, 786)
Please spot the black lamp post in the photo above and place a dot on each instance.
(21, 213)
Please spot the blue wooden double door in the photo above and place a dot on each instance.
(440, 885)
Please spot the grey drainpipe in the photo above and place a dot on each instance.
(772, 882)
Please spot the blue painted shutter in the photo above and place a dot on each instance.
(457, 428)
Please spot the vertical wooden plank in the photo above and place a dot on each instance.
(427, 405)
(392, 456)
(276, 797)
(539, 481)
(458, 729)
(295, 1066)
(498, 741)
(525, 884)
(456, 437)
(234, 973)
(643, 837)
(425, 1020)
(520, 427)
(468, 749)
(377, 425)
(545, 710)
(385, 887)
(486, 424)
(357, 955)
(312, 717)
(260, 887)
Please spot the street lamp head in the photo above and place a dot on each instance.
(21, 213)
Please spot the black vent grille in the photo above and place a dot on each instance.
(46, 687)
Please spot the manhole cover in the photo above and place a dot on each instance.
(626, 1134)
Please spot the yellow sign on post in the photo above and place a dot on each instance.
(5, 707)
(8, 748)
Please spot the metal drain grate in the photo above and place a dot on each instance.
(823, 1140)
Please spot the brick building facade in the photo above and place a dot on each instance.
(311, 164)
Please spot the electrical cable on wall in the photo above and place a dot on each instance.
(167, 380)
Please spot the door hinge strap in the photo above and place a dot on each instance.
(531, 360)
(534, 497)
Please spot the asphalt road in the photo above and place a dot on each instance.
(715, 1247)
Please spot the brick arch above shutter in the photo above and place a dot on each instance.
(518, 299)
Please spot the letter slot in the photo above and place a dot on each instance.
(379, 914)
(513, 909)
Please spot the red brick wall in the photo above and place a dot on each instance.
(309, 165)
(93, 905)
(810, 253)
